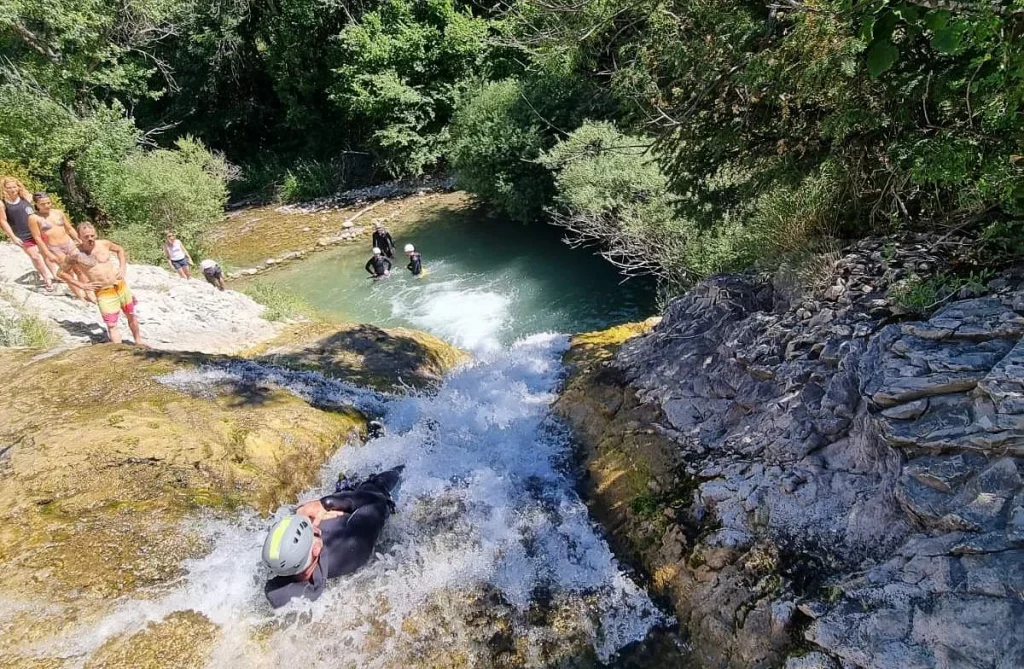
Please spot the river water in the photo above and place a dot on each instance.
(488, 283)
(492, 559)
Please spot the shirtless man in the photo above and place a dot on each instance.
(112, 293)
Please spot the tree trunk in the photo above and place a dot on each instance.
(78, 196)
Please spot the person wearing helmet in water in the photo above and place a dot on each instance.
(415, 261)
(382, 240)
(378, 266)
(326, 538)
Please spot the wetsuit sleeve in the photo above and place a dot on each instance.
(282, 589)
(350, 500)
(388, 261)
(369, 265)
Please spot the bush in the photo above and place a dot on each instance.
(20, 328)
(182, 190)
(494, 147)
(402, 69)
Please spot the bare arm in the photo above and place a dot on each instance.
(69, 276)
(69, 227)
(122, 259)
(37, 236)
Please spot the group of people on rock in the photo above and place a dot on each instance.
(379, 265)
(59, 251)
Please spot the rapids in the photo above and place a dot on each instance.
(491, 560)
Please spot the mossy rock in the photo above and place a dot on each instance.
(365, 355)
(101, 463)
(182, 640)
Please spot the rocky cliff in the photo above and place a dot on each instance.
(820, 481)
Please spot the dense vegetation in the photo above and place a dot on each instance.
(681, 137)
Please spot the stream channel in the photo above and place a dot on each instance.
(492, 559)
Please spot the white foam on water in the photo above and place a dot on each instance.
(471, 318)
(486, 505)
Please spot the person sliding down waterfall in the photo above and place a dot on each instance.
(326, 538)
(378, 266)
(415, 261)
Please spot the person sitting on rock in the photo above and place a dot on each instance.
(212, 273)
(93, 259)
(326, 538)
(415, 261)
(378, 266)
(382, 240)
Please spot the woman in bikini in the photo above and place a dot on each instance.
(60, 236)
(16, 217)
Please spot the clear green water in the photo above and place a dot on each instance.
(488, 283)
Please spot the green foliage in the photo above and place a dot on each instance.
(492, 148)
(402, 69)
(19, 327)
(280, 304)
(150, 192)
(500, 130)
(920, 296)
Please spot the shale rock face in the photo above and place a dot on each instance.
(826, 476)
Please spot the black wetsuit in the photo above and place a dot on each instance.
(378, 265)
(383, 241)
(17, 216)
(415, 263)
(348, 540)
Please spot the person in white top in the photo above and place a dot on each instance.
(177, 256)
(213, 273)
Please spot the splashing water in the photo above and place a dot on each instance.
(491, 560)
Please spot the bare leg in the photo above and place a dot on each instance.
(133, 325)
(115, 333)
(37, 261)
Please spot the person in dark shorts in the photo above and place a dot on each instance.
(213, 273)
(378, 266)
(382, 240)
(415, 261)
(326, 538)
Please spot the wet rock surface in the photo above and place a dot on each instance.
(821, 471)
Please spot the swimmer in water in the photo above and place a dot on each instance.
(415, 261)
(382, 240)
(378, 266)
(326, 538)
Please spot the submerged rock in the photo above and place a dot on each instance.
(362, 354)
(815, 452)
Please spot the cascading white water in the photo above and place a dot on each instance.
(491, 551)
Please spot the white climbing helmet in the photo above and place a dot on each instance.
(409, 248)
(376, 251)
(288, 549)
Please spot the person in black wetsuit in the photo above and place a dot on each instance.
(378, 266)
(415, 260)
(382, 240)
(326, 538)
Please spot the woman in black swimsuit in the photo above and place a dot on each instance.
(14, 220)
